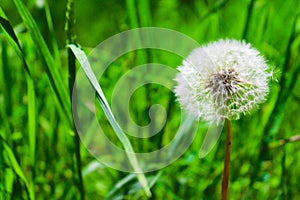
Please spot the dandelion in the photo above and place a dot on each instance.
(222, 80)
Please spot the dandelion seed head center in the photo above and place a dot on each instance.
(224, 82)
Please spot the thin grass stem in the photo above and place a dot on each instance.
(70, 21)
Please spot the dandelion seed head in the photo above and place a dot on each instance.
(222, 80)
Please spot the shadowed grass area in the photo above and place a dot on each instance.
(40, 156)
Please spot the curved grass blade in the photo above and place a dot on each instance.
(57, 83)
(81, 57)
(13, 40)
(12, 37)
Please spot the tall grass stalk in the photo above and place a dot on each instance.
(70, 22)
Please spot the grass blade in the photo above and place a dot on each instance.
(12, 37)
(69, 28)
(51, 34)
(81, 57)
(17, 168)
(132, 13)
(31, 119)
(6, 112)
(51, 67)
(8, 30)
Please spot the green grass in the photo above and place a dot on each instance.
(39, 152)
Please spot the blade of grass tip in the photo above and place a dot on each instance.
(52, 36)
(51, 67)
(17, 169)
(81, 57)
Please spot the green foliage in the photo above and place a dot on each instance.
(80, 55)
(37, 148)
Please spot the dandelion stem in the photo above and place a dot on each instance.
(224, 193)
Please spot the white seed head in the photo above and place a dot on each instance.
(222, 80)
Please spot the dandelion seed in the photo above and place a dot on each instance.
(221, 80)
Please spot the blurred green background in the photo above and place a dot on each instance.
(38, 146)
